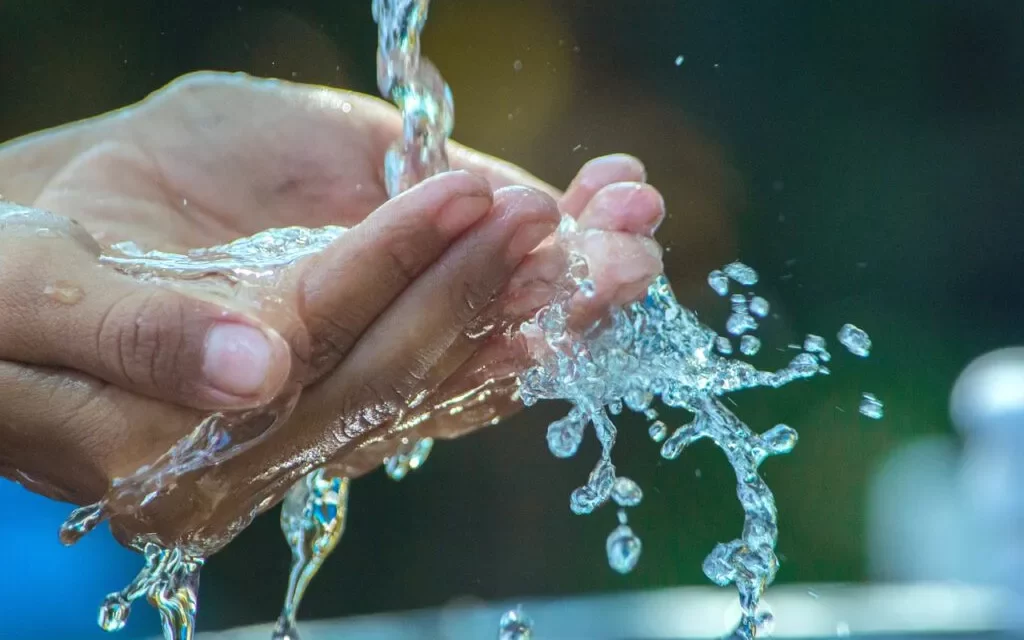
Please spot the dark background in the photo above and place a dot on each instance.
(866, 157)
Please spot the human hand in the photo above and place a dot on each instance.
(184, 169)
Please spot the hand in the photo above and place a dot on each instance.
(205, 161)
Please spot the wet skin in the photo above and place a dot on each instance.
(96, 384)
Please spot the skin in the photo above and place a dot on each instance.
(102, 380)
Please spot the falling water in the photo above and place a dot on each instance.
(313, 519)
(654, 349)
(425, 101)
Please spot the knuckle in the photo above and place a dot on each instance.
(334, 338)
(469, 296)
(404, 252)
(142, 336)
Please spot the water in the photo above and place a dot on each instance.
(425, 101)
(719, 282)
(410, 455)
(515, 625)
(652, 350)
(64, 292)
(871, 406)
(741, 273)
(170, 581)
(627, 493)
(657, 348)
(312, 519)
(750, 345)
(759, 306)
(855, 340)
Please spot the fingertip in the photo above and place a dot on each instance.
(598, 173)
(633, 207)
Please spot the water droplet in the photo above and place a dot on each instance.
(723, 345)
(856, 340)
(515, 625)
(759, 306)
(657, 431)
(871, 406)
(814, 344)
(64, 292)
(517, 65)
(779, 439)
(741, 273)
(749, 345)
(740, 323)
(718, 282)
(623, 547)
(626, 492)
(565, 436)
(679, 61)
(114, 612)
(420, 451)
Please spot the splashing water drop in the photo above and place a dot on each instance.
(515, 625)
(740, 323)
(814, 344)
(313, 518)
(723, 345)
(855, 340)
(657, 431)
(623, 547)
(114, 613)
(719, 282)
(626, 493)
(64, 292)
(779, 439)
(741, 273)
(749, 345)
(759, 306)
(871, 406)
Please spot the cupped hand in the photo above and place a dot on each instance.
(102, 373)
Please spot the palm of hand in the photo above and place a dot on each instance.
(183, 170)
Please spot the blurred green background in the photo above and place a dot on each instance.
(867, 157)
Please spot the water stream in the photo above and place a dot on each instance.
(652, 351)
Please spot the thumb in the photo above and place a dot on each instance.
(59, 307)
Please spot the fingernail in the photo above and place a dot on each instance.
(526, 240)
(237, 359)
(462, 212)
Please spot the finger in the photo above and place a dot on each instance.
(67, 435)
(498, 173)
(59, 307)
(345, 288)
(419, 340)
(597, 174)
(423, 336)
(631, 207)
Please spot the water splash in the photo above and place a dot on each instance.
(411, 453)
(515, 625)
(871, 406)
(652, 349)
(426, 105)
(313, 520)
(170, 581)
(855, 340)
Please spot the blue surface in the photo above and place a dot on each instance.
(56, 590)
